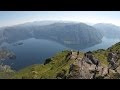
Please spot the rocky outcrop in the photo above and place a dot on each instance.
(84, 69)
(6, 54)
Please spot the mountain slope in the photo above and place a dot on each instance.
(58, 64)
(59, 67)
(108, 30)
(66, 33)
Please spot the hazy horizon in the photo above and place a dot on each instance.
(9, 18)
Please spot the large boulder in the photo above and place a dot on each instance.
(85, 70)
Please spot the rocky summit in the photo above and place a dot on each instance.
(73, 65)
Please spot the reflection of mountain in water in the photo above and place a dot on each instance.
(32, 44)
(35, 51)
(77, 34)
(32, 51)
(106, 42)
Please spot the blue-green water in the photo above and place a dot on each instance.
(32, 51)
(106, 43)
(35, 51)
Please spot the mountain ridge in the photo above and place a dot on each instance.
(108, 30)
(65, 33)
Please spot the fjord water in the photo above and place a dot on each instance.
(106, 43)
(35, 51)
(32, 51)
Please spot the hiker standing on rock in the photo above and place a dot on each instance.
(77, 55)
(68, 56)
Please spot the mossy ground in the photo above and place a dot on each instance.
(48, 71)
(57, 64)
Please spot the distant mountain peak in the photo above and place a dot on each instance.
(109, 30)
(67, 33)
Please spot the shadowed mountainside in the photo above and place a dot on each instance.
(108, 30)
(67, 33)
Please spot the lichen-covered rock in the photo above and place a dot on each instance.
(85, 70)
(6, 54)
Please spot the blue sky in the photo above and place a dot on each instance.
(8, 18)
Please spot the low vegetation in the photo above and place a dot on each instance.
(56, 67)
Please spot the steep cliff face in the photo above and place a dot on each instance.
(69, 34)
